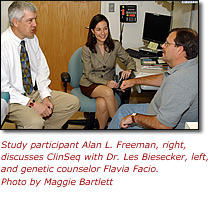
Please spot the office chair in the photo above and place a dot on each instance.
(4, 106)
(87, 104)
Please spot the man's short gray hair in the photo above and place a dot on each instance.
(16, 10)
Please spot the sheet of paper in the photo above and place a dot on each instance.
(152, 67)
(152, 45)
(142, 74)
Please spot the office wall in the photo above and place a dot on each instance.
(132, 33)
(195, 18)
(4, 14)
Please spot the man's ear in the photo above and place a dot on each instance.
(15, 22)
(180, 49)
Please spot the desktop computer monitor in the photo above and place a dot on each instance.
(156, 28)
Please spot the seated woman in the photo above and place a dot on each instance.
(99, 59)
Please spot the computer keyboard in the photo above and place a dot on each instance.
(139, 54)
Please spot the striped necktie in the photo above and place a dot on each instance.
(25, 67)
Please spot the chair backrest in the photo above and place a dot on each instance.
(5, 96)
(75, 68)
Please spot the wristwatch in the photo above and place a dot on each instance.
(31, 103)
(132, 117)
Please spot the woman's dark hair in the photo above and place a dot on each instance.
(187, 38)
(91, 40)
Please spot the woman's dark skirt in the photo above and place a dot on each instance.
(87, 91)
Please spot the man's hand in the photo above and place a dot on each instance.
(126, 84)
(146, 121)
(48, 103)
(44, 109)
(126, 121)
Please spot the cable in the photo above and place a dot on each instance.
(121, 31)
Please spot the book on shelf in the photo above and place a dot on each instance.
(153, 63)
(154, 66)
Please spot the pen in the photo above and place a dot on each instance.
(120, 79)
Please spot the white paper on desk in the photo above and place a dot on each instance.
(151, 67)
(142, 74)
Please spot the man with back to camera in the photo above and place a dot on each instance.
(25, 75)
(176, 101)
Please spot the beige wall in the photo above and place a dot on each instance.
(132, 33)
(4, 14)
